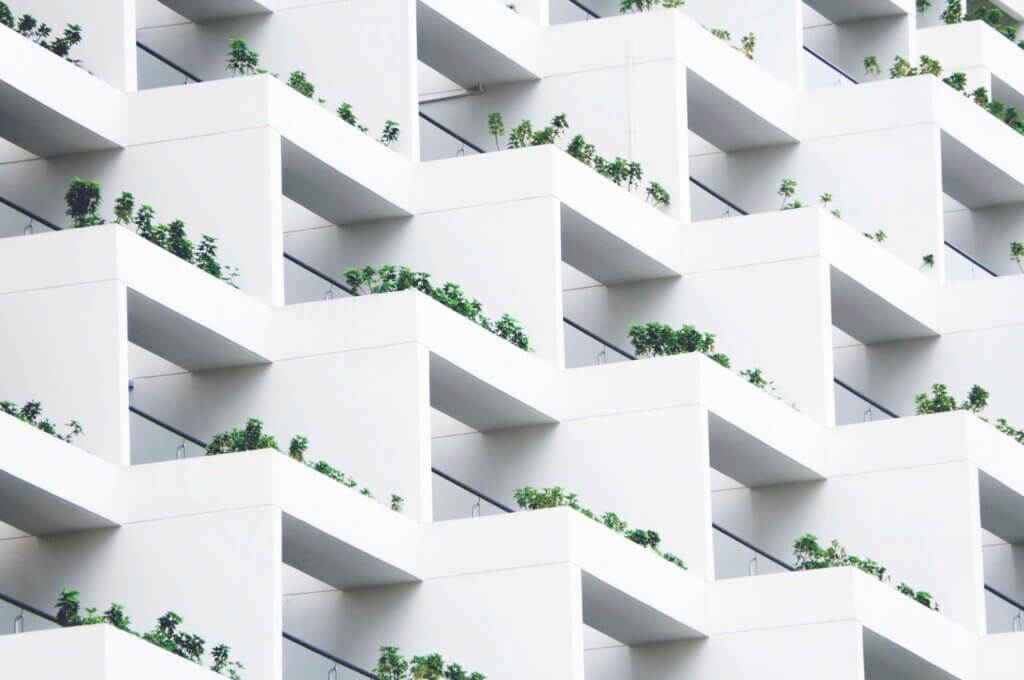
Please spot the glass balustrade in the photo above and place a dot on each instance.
(567, 11)
(735, 559)
(961, 267)
(819, 73)
(1002, 614)
(155, 71)
(583, 348)
(303, 661)
(437, 141)
(706, 204)
(152, 442)
(15, 619)
(303, 283)
(853, 407)
(453, 500)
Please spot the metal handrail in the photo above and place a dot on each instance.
(452, 133)
(316, 272)
(167, 426)
(830, 65)
(719, 196)
(327, 655)
(31, 215)
(466, 487)
(891, 414)
(586, 9)
(969, 258)
(29, 608)
(595, 336)
(168, 62)
(753, 547)
(1004, 597)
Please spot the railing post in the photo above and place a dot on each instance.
(869, 415)
(333, 673)
(752, 566)
(19, 622)
(329, 295)
(475, 510)
(1016, 625)
(179, 453)
(28, 228)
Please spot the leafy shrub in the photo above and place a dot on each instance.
(30, 413)
(166, 635)
(529, 498)
(83, 201)
(928, 260)
(242, 61)
(810, 555)
(1017, 253)
(645, 5)
(30, 27)
(392, 666)
(252, 438)
(389, 279)
(620, 171)
(941, 401)
(656, 339)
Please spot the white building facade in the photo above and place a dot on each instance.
(354, 134)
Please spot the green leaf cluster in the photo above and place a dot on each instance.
(391, 665)
(646, 5)
(810, 555)
(166, 635)
(31, 28)
(529, 498)
(83, 201)
(390, 279)
(31, 412)
(657, 339)
(942, 401)
(620, 171)
(787, 190)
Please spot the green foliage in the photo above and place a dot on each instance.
(496, 128)
(953, 14)
(826, 201)
(1017, 253)
(810, 555)
(923, 5)
(941, 401)
(529, 498)
(30, 27)
(901, 68)
(249, 438)
(871, 66)
(346, 114)
(747, 45)
(957, 81)
(30, 413)
(656, 339)
(391, 665)
(878, 236)
(389, 135)
(721, 34)
(241, 60)
(786, 190)
(298, 82)
(636, 5)
(83, 201)
(1010, 431)
(928, 260)
(396, 502)
(756, 378)
(124, 206)
(389, 279)
(620, 171)
(166, 635)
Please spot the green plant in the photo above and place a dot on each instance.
(1017, 253)
(879, 236)
(166, 635)
(826, 200)
(721, 34)
(810, 555)
(747, 45)
(298, 82)
(756, 378)
(529, 498)
(390, 133)
(241, 60)
(391, 665)
(655, 339)
(928, 261)
(636, 5)
(957, 81)
(346, 114)
(396, 502)
(496, 127)
(1008, 430)
(941, 401)
(30, 414)
(871, 66)
(657, 194)
(953, 14)
(786, 190)
(389, 279)
(83, 200)
(923, 5)
(29, 27)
